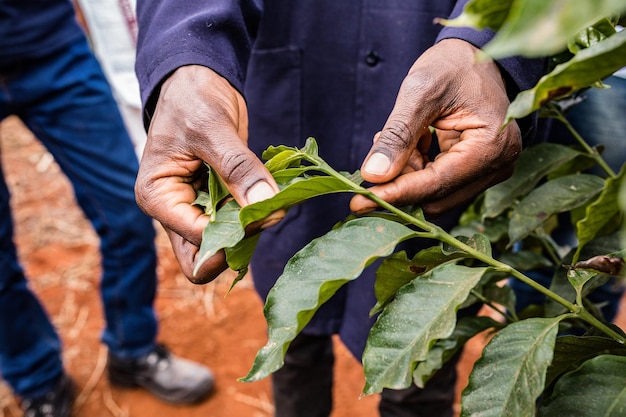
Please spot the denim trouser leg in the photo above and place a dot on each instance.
(30, 359)
(65, 100)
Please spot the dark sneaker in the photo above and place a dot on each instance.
(166, 376)
(56, 403)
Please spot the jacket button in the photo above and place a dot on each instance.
(372, 58)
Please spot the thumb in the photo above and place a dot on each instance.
(395, 144)
(428, 92)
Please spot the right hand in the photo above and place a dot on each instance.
(199, 117)
(466, 101)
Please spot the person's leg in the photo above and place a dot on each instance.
(303, 386)
(30, 360)
(435, 399)
(77, 120)
(30, 349)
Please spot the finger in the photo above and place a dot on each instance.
(468, 168)
(242, 172)
(393, 148)
(466, 194)
(407, 125)
(187, 253)
(215, 131)
(435, 208)
(442, 83)
(419, 157)
(163, 190)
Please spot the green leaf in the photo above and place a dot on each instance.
(421, 313)
(309, 149)
(393, 273)
(238, 256)
(525, 260)
(288, 158)
(295, 192)
(578, 279)
(494, 229)
(591, 35)
(556, 196)
(203, 199)
(285, 175)
(478, 242)
(490, 279)
(210, 200)
(398, 270)
(217, 191)
(481, 14)
(538, 28)
(273, 151)
(509, 376)
(560, 284)
(503, 295)
(600, 213)
(355, 177)
(585, 69)
(314, 274)
(224, 232)
(597, 388)
(581, 163)
(571, 351)
(444, 349)
(533, 164)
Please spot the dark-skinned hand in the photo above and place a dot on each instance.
(466, 102)
(200, 117)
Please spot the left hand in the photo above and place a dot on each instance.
(466, 102)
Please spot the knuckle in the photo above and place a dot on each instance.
(140, 194)
(144, 192)
(397, 136)
(434, 211)
(237, 166)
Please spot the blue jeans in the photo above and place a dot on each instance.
(66, 102)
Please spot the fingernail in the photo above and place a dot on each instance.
(259, 192)
(377, 164)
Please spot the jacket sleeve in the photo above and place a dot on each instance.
(519, 73)
(174, 33)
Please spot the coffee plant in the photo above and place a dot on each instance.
(561, 358)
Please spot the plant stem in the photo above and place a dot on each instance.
(549, 245)
(591, 151)
(440, 234)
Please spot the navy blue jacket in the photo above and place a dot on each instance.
(33, 28)
(323, 68)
